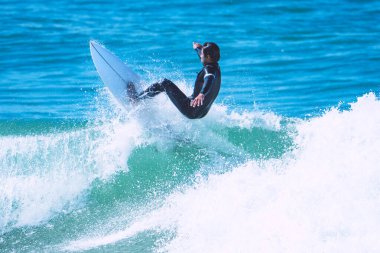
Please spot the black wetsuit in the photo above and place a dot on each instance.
(207, 82)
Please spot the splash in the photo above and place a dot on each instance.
(323, 196)
(46, 175)
(43, 175)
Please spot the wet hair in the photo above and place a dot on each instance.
(211, 49)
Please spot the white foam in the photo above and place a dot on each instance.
(44, 175)
(324, 196)
(94, 242)
(246, 119)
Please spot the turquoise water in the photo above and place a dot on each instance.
(286, 160)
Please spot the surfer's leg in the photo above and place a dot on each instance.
(179, 99)
(151, 91)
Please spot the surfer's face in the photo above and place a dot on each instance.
(205, 59)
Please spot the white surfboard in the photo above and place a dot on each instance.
(115, 74)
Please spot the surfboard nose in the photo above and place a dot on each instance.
(95, 47)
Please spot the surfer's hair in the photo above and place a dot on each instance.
(211, 49)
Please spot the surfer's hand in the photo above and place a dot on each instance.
(196, 45)
(198, 101)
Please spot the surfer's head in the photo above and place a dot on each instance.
(210, 53)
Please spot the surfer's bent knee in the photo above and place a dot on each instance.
(166, 83)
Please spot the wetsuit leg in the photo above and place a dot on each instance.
(151, 91)
(178, 98)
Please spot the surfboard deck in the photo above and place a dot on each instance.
(120, 79)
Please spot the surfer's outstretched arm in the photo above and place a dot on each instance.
(198, 48)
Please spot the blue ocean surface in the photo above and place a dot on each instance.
(287, 160)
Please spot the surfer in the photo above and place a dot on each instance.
(206, 87)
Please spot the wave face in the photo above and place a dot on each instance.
(246, 182)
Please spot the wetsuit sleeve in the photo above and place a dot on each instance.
(209, 80)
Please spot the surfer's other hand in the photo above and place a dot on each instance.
(196, 45)
(198, 101)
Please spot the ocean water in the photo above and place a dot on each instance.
(287, 160)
